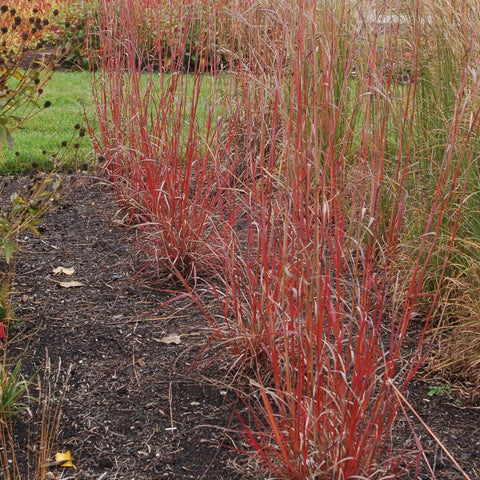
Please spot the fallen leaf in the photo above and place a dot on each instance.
(65, 270)
(172, 338)
(65, 458)
(70, 284)
(2, 330)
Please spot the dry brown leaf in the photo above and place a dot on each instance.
(64, 459)
(70, 284)
(65, 270)
(172, 338)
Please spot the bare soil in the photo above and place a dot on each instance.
(136, 407)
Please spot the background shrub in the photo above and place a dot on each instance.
(26, 62)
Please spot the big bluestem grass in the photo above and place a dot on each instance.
(157, 135)
(300, 192)
(317, 303)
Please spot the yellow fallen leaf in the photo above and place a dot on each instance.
(70, 284)
(65, 270)
(172, 338)
(65, 458)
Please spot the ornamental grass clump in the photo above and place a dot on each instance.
(157, 136)
(293, 185)
(320, 302)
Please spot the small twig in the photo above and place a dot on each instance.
(463, 408)
(55, 463)
(134, 361)
(170, 402)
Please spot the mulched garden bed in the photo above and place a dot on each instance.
(136, 407)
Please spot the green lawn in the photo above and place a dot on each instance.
(70, 94)
(71, 98)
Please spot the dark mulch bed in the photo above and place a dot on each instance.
(137, 408)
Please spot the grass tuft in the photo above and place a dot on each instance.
(316, 188)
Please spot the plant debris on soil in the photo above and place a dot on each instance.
(138, 403)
